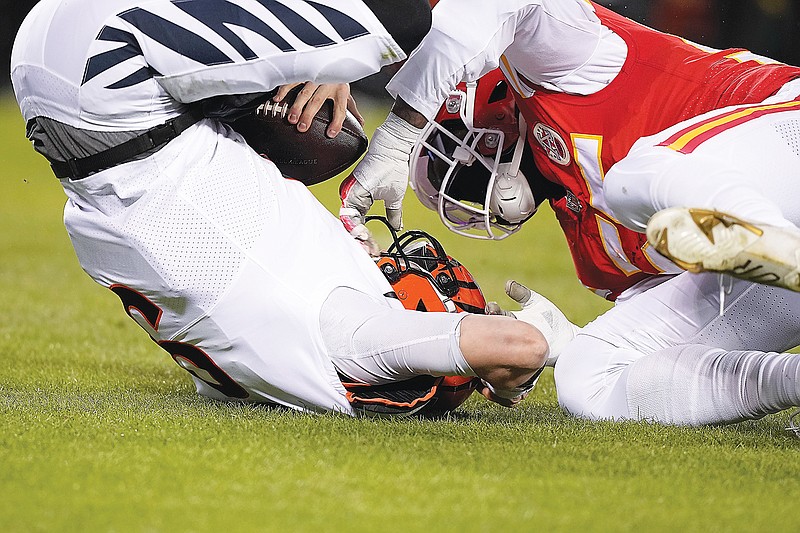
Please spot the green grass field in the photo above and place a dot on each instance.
(101, 431)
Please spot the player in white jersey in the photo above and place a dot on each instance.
(695, 349)
(241, 275)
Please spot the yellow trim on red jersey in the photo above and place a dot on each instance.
(576, 156)
(512, 77)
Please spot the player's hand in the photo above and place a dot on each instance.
(542, 314)
(312, 97)
(383, 173)
(486, 391)
(493, 308)
(353, 220)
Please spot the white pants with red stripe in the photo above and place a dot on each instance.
(742, 160)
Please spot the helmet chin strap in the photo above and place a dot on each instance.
(510, 197)
(516, 160)
(468, 109)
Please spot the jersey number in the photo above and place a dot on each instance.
(587, 156)
(190, 357)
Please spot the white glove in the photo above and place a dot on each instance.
(353, 221)
(382, 174)
(542, 314)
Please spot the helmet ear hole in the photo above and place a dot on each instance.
(447, 285)
(391, 273)
(499, 93)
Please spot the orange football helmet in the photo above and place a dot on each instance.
(425, 278)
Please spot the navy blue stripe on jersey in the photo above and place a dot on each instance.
(346, 27)
(216, 15)
(143, 74)
(104, 61)
(304, 30)
(174, 37)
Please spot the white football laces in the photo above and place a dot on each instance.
(273, 109)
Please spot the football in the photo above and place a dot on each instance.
(311, 156)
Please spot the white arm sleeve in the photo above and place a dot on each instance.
(375, 343)
(466, 40)
(132, 64)
(247, 48)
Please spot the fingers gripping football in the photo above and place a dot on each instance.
(310, 97)
(383, 173)
(311, 156)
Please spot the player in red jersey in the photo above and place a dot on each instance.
(609, 258)
(632, 122)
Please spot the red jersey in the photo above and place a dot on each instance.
(576, 139)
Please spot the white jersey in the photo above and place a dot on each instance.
(132, 64)
(556, 44)
(220, 259)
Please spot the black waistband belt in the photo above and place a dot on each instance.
(78, 168)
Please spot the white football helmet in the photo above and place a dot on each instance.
(466, 163)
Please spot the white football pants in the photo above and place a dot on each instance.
(666, 354)
(227, 265)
